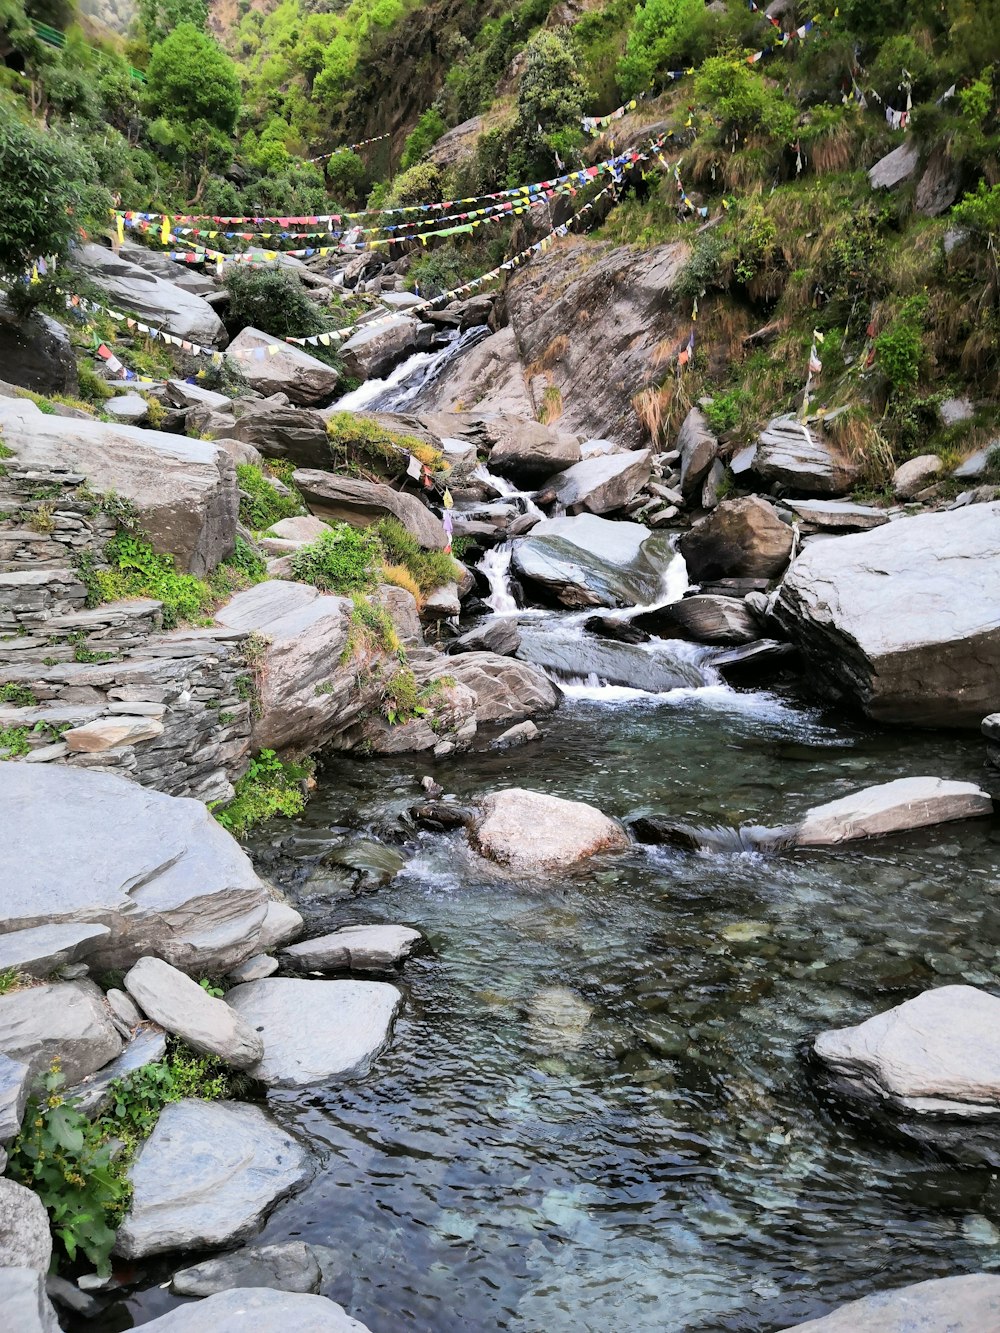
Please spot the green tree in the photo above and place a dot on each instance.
(191, 79)
(345, 174)
(422, 137)
(159, 18)
(42, 195)
(665, 34)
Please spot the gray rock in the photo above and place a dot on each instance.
(706, 618)
(939, 184)
(443, 603)
(42, 950)
(130, 408)
(67, 1021)
(152, 299)
(893, 807)
(905, 619)
(505, 689)
(968, 1304)
(562, 833)
(375, 948)
(206, 1024)
(305, 379)
(315, 1031)
(839, 515)
(261, 1309)
(25, 1239)
(529, 451)
(254, 969)
(590, 561)
(895, 167)
(208, 1175)
(373, 351)
(291, 1266)
(360, 503)
(600, 485)
(520, 734)
(991, 727)
(157, 870)
(656, 668)
(182, 393)
(802, 460)
(300, 531)
(26, 1307)
(147, 1047)
(973, 467)
(35, 352)
(289, 433)
(954, 410)
(123, 1008)
(741, 538)
(69, 1295)
(15, 1085)
(185, 490)
(915, 474)
(499, 634)
(698, 448)
(110, 733)
(711, 488)
(281, 925)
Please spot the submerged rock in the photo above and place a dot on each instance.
(206, 1024)
(315, 1031)
(531, 832)
(654, 667)
(291, 1266)
(260, 1309)
(968, 1304)
(558, 1018)
(375, 948)
(906, 619)
(892, 807)
(208, 1175)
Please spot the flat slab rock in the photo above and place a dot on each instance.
(260, 1309)
(40, 950)
(532, 832)
(206, 1023)
(938, 1053)
(892, 807)
(291, 1266)
(68, 1020)
(314, 1031)
(968, 1304)
(207, 1176)
(375, 948)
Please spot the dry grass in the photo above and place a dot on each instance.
(662, 408)
(550, 357)
(834, 152)
(859, 437)
(400, 577)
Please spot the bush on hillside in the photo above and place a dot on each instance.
(342, 560)
(742, 101)
(41, 194)
(422, 137)
(271, 299)
(665, 35)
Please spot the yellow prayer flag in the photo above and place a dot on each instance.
(120, 228)
(165, 231)
(449, 503)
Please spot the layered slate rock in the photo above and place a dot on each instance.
(803, 460)
(375, 948)
(204, 1022)
(602, 484)
(208, 1175)
(741, 538)
(314, 1031)
(152, 298)
(893, 807)
(259, 1309)
(185, 490)
(895, 167)
(529, 832)
(590, 561)
(705, 617)
(291, 1266)
(15, 1085)
(504, 689)
(905, 620)
(305, 379)
(67, 1021)
(156, 870)
(839, 515)
(42, 950)
(655, 668)
(361, 503)
(291, 434)
(499, 634)
(968, 1304)
(698, 448)
(529, 451)
(25, 1239)
(377, 347)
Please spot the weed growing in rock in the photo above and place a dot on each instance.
(261, 503)
(370, 631)
(266, 789)
(10, 979)
(138, 571)
(359, 444)
(342, 560)
(13, 742)
(241, 570)
(20, 696)
(428, 569)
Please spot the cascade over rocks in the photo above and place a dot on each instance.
(361, 503)
(563, 833)
(602, 483)
(741, 538)
(153, 299)
(705, 617)
(655, 668)
(289, 370)
(802, 460)
(589, 561)
(487, 378)
(967, 1304)
(905, 620)
(185, 490)
(157, 871)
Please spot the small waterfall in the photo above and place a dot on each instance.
(401, 388)
(495, 566)
(507, 490)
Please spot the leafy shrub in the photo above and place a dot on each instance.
(899, 348)
(261, 503)
(191, 80)
(271, 299)
(421, 184)
(979, 210)
(724, 411)
(428, 569)
(743, 102)
(268, 788)
(13, 742)
(20, 696)
(422, 137)
(341, 560)
(138, 571)
(242, 569)
(665, 34)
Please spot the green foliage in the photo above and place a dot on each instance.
(899, 349)
(979, 210)
(371, 631)
(138, 571)
(361, 441)
(66, 1160)
(191, 80)
(341, 560)
(430, 569)
(13, 742)
(422, 137)
(240, 570)
(268, 788)
(159, 18)
(723, 412)
(261, 503)
(271, 299)
(10, 979)
(665, 35)
(345, 175)
(19, 696)
(421, 184)
(744, 103)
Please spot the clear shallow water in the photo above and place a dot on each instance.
(651, 1151)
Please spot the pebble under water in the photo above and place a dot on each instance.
(597, 1110)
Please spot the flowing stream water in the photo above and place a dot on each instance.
(597, 1110)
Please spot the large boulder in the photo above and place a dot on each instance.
(35, 352)
(160, 303)
(315, 1031)
(185, 490)
(705, 617)
(25, 1239)
(967, 1304)
(505, 689)
(589, 561)
(741, 538)
(360, 503)
(373, 351)
(203, 1022)
(528, 451)
(260, 1309)
(529, 832)
(893, 807)
(905, 619)
(601, 484)
(656, 668)
(207, 1176)
(289, 433)
(895, 167)
(698, 448)
(41, 950)
(67, 1021)
(304, 378)
(916, 473)
(802, 460)
(157, 870)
